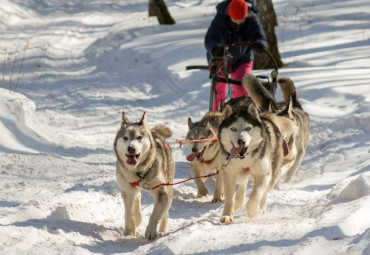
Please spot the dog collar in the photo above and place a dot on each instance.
(208, 161)
(141, 178)
(205, 161)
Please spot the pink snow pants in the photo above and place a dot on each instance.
(237, 91)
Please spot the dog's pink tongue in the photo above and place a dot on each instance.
(191, 157)
(131, 160)
(235, 151)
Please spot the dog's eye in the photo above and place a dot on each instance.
(248, 128)
(233, 129)
(139, 137)
(125, 138)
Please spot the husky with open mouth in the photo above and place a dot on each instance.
(259, 143)
(144, 160)
(205, 155)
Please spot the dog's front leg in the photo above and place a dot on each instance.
(130, 210)
(229, 186)
(261, 183)
(239, 197)
(137, 210)
(202, 190)
(160, 203)
(219, 189)
(164, 219)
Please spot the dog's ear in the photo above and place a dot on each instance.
(273, 108)
(287, 111)
(190, 123)
(227, 111)
(143, 120)
(253, 110)
(125, 120)
(204, 122)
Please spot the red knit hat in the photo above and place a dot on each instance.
(238, 9)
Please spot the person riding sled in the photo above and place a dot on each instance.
(235, 21)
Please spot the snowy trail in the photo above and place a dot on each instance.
(87, 62)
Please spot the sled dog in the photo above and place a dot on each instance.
(289, 106)
(259, 144)
(301, 121)
(143, 159)
(205, 156)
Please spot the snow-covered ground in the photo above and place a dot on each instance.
(87, 61)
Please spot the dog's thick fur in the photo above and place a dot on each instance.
(264, 143)
(301, 121)
(205, 156)
(143, 158)
(289, 106)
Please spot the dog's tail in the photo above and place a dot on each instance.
(213, 117)
(288, 91)
(162, 130)
(259, 94)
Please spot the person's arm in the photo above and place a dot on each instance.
(257, 34)
(214, 35)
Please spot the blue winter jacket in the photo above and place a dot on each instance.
(223, 31)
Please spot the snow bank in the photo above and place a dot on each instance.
(352, 188)
(15, 114)
(22, 129)
(89, 60)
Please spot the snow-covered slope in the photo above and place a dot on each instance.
(87, 61)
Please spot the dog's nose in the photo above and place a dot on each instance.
(241, 142)
(131, 150)
(194, 149)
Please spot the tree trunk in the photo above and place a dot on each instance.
(268, 20)
(158, 8)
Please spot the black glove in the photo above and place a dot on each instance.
(258, 47)
(218, 51)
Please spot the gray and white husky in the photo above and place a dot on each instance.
(260, 143)
(301, 120)
(290, 107)
(144, 159)
(205, 156)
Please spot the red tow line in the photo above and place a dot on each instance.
(167, 145)
(171, 184)
(181, 142)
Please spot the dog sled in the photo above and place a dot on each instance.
(219, 71)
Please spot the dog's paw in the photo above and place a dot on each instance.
(129, 232)
(216, 200)
(202, 193)
(262, 210)
(227, 219)
(161, 233)
(150, 234)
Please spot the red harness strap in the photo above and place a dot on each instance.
(171, 184)
(205, 161)
(137, 183)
